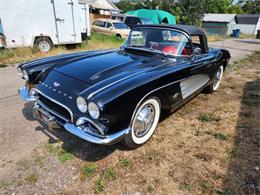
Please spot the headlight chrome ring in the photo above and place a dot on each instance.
(25, 75)
(20, 72)
(82, 104)
(93, 110)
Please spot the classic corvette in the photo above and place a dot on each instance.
(107, 96)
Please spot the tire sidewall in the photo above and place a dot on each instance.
(215, 88)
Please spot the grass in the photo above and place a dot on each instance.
(208, 118)
(186, 187)
(231, 152)
(18, 55)
(100, 185)
(32, 178)
(23, 164)
(63, 155)
(110, 174)
(123, 162)
(221, 136)
(213, 38)
(2, 184)
(89, 169)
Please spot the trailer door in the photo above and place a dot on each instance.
(65, 15)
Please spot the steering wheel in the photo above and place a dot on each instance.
(170, 49)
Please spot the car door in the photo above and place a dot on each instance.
(109, 28)
(100, 26)
(199, 69)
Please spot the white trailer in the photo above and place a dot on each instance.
(84, 19)
(41, 23)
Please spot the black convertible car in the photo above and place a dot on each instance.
(108, 96)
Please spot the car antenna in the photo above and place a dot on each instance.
(224, 37)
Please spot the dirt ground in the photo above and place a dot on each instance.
(209, 146)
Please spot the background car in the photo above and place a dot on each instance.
(111, 27)
(131, 20)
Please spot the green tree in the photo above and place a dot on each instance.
(252, 7)
(185, 11)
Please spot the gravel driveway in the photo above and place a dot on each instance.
(19, 132)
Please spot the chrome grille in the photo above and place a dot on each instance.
(55, 107)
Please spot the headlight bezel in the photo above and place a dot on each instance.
(82, 104)
(25, 75)
(20, 72)
(93, 110)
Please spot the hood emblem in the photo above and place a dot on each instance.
(56, 84)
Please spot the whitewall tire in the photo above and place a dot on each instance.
(217, 78)
(216, 81)
(144, 123)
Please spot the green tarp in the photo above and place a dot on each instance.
(157, 16)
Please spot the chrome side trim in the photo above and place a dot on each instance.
(136, 108)
(62, 105)
(106, 140)
(192, 84)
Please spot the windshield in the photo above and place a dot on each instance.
(146, 21)
(120, 25)
(167, 41)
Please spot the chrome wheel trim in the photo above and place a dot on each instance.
(44, 46)
(217, 78)
(145, 121)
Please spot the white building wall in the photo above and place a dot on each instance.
(246, 28)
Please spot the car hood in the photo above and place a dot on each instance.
(109, 66)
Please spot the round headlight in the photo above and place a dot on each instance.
(25, 75)
(81, 104)
(19, 70)
(93, 110)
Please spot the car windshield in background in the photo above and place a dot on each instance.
(120, 25)
(163, 40)
(146, 21)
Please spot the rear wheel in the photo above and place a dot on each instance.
(144, 123)
(217, 80)
(44, 44)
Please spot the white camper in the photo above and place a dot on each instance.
(41, 23)
(84, 19)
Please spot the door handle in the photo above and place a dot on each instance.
(60, 20)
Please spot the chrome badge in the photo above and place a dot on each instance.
(56, 84)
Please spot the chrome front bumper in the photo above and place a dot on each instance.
(70, 127)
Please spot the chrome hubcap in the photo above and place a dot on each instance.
(44, 46)
(144, 120)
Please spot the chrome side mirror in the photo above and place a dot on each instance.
(197, 51)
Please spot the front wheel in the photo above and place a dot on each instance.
(144, 123)
(217, 80)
